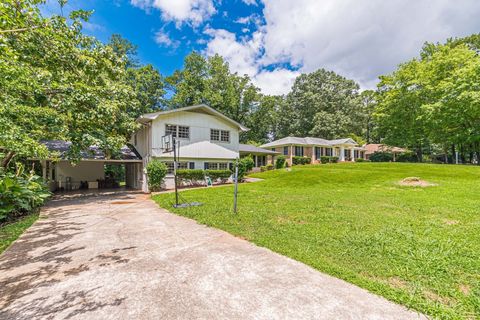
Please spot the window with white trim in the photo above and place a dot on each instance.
(181, 132)
(214, 135)
(225, 136)
(181, 166)
(216, 166)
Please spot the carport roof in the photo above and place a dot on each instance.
(93, 152)
(248, 148)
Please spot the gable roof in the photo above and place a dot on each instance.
(207, 109)
(93, 152)
(308, 141)
(248, 148)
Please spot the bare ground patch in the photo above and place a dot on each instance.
(416, 182)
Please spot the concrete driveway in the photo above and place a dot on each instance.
(119, 256)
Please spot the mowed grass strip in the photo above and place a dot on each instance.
(10, 232)
(416, 246)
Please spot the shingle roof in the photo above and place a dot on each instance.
(93, 152)
(307, 141)
(152, 116)
(202, 149)
(248, 148)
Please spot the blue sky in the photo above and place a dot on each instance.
(273, 41)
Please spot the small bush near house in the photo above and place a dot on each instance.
(280, 162)
(406, 157)
(301, 160)
(359, 160)
(333, 159)
(263, 168)
(270, 166)
(156, 172)
(381, 157)
(324, 159)
(191, 176)
(221, 175)
(245, 165)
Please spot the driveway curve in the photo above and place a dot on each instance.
(119, 256)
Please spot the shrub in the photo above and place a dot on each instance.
(156, 172)
(381, 157)
(359, 160)
(223, 175)
(280, 162)
(20, 193)
(333, 159)
(245, 164)
(270, 166)
(406, 157)
(324, 159)
(263, 168)
(190, 176)
(301, 160)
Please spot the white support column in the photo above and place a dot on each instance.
(342, 154)
(353, 155)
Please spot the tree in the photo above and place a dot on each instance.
(209, 81)
(322, 104)
(59, 84)
(433, 100)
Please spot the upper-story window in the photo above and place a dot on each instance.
(225, 136)
(182, 132)
(219, 135)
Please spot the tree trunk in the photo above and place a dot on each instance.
(419, 153)
(454, 157)
(6, 160)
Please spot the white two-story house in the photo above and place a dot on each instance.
(207, 140)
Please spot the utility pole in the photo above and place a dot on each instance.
(235, 192)
(175, 166)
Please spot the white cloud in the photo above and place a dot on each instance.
(250, 2)
(193, 12)
(244, 57)
(164, 40)
(358, 39)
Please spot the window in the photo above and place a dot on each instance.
(299, 151)
(181, 166)
(318, 152)
(219, 135)
(181, 132)
(184, 132)
(273, 149)
(285, 151)
(225, 136)
(222, 166)
(328, 152)
(216, 165)
(214, 135)
(171, 130)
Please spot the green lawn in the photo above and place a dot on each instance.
(417, 246)
(10, 232)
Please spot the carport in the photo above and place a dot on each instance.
(91, 171)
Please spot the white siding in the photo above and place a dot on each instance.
(83, 171)
(200, 125)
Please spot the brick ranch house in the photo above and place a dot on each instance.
(314, 148)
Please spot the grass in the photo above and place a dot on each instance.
(419, 247)
(10, 232)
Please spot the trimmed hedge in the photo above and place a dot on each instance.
(381, 157)
(223, 175)
(360, 160)
(301, 160)
(190, 175)
(280, 162)
(328, 159)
